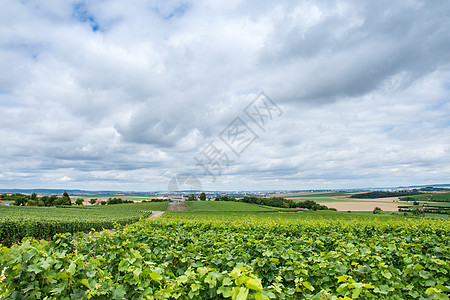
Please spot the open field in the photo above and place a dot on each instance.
(440, 204)
(281, 217)
(97, 212)
(322, 200)
(364, 206)
(239, 255)
(213, 206)
(177, 206)
(43, 222)
(313, 195)
(435, 196)
(342, 202)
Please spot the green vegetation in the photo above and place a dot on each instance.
(322, 200)
(44, 222)
(378, 211)
(192, 198)
(280, 202)
(202, 197)
(214, 206)
(434, 203)
(385, 194)
(195, 255)
(282, 217)
(432, 197)
(118, 201)
(328, 194)
(33, 200)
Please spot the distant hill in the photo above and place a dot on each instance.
(237, 194)
(71, 192)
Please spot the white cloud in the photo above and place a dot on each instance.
(107, 95)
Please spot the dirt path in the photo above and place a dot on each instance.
(156, 215)
(176, 206)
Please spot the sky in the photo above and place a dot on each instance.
(238, 95)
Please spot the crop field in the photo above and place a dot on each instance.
(44, 222)
(321, 200)
(327, 194)
(444, 197)
(214, 206)
(439, 204)
(238, 255)
(283, 217)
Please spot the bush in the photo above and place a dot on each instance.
(377, 211)
(418, 212)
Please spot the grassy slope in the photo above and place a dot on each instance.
(331, 194)
(321, 200)
(213, 206)
(98, 212)
(437, 196)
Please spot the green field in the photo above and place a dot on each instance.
(215, 206)
(94, 212)
(239, 255)
(321, 200)
(330, 194)
(43, 222)
(444, 197)
(282, 216)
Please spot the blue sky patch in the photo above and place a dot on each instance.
(178, 12)
(82, 14)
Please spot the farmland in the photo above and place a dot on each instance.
(44, 222)
(342, 201)
(238, 255)
(438, 197)
(325, 194)
(214, 206)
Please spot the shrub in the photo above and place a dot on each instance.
(377, 211)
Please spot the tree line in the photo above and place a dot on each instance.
(385, 194)
(270, 201)
(19, 199)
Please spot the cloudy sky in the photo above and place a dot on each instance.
(125, 95)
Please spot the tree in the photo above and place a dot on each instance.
(377, 211)
(20, 200)
(418, 212)
(93, 201)
(66, 199)
(202, 197)
(116, 201)
(34, 197)
(79, 201)
(192, 198)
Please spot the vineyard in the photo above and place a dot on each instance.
(239, 255)
(44, 222)
(215, 206)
